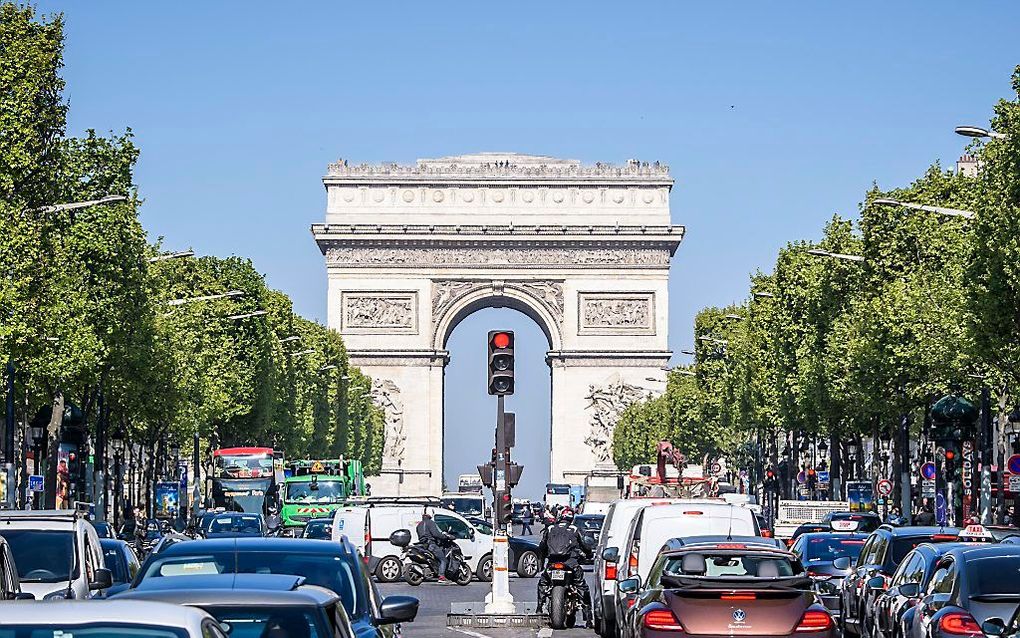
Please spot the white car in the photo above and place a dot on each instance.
(369, 527)
(57, 553)
(108, 618)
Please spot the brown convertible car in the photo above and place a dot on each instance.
(712, 586)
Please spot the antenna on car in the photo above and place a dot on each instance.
(729, 531)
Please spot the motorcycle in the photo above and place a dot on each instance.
(420, 564)
(563, 596)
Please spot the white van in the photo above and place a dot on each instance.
(57, 553)
(618, 517)
(369, 527)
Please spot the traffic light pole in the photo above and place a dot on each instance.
(500, 601)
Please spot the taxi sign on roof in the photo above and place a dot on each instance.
(844, 525)
(975, 533)
(317, 467)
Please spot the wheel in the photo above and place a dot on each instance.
(557, 607)
(484, 571)
(464, 575)
(527, 565)
(388, 570)
(413, 575)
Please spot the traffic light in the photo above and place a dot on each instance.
(501, 362)
(504, 508)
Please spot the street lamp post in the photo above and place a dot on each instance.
(978, 132)
(818, 252)
(117, 441)
(941, 210)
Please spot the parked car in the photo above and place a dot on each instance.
(370, 526)
(122, 562)
(257, 604)
(724, 587)
(881, 555)
(654, 526)
(973, 592)
(896, 605)
(235, 524)
(336, 566)
(523, 552)
(109, 619)
(618, 518)
(57, 553)
(818, 552)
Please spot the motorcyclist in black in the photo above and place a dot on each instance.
(564, 543)
(435, 540)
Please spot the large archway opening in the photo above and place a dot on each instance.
(470, 413)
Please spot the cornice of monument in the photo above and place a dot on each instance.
(568, 233)
(497, 168)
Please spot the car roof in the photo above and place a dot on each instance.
(671, 510)
(260, 544)
(856, 536)
(112, 543)
(262, 582)
(972, 551)
(917, 530)
(303, 595)
(70, 613)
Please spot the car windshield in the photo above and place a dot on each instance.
(43, 556)
(235, 524)
(326, 570)
(466, 506)
(316, 492)
(319, 530)
(994, 575)
(589, 523)
(291, 621)
(244, 465)
(728, 564)
(828, 549)
(91, 630)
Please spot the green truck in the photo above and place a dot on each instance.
(315, 488)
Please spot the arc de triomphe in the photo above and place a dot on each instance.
(582, 250)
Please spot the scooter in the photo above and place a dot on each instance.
(420, 564)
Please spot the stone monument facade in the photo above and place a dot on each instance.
(583, 250)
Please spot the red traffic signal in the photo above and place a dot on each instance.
(501, 362)
(502, 339)
(950, 455)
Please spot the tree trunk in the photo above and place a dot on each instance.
(53, 448)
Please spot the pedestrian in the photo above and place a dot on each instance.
(527, 518)
(926, 516)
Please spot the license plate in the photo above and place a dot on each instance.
(558, 574)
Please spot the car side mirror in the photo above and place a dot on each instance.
(876, 582)
(910, 590)
(394, 609)
(611, 554)
(841, 563)
(629, 585)
(102, 579)
(993, 627)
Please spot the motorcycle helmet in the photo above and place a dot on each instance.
(567, 515)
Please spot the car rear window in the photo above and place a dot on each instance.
(994, 575)
(730, 565)
(829, 549)
(902, 546)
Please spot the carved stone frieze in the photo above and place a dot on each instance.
(522, 257)
(547, 293)
(444, 293)
(606, 403)
(550, 293)
(379, 312)
(501, 165)
(616, 313)
(386, 395)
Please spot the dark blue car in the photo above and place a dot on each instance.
(337, 566)
(120, 559)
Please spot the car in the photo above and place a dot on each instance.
(724, 587)
(107, 618)
(818, 552)
(257, 604)
(231, 524)
(881, 554)
(337, 566)
(57, 553)
(973, 592)
(370, 525)
(654, 526)
(896, 605)
(618, 518)
(807, 528)
(318, 528)
(523, 552)
(122, 562)
(590, 524)
(103, 529)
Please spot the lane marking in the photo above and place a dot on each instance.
(468, 632)
(545, 632)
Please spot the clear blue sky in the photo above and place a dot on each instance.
(771, 115)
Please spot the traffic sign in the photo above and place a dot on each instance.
(1013, 464)
(716, 469)
(35, 482)
(928, 488)
(801, 477)
(317, 467)
(928, 471)
(884, 487)
(1014, 483)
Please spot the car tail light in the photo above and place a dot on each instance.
(661, 620)
(692, 513)
(959, 624)
(557, 565)
(610, 571)
(944, 537)
(633, 562)
(814, 620)
(740, 596)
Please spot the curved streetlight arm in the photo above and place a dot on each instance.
(979, 132)
(818, 252)
(941, 210)
(56, 208)
(181, 302)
